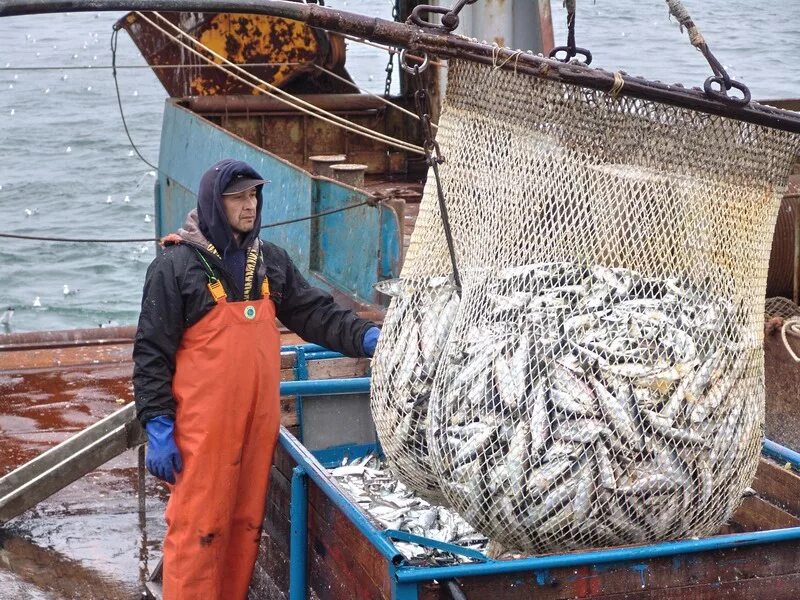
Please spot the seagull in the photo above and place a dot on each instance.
(7, 316)
(36, 302)
(108, 199)
(127, 199)
(69, 149)
(147, 219)
(29, 212)
(69, 292)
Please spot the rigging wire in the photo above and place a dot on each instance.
(278, 93)
(151, 239)
(363, 91)
(114, 40)
(177, 66)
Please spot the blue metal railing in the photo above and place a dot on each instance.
(781, 453)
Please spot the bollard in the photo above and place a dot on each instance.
(321, 163)
(349, 173)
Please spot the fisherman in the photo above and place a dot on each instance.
(206, 377)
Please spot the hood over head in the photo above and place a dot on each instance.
(212, 222)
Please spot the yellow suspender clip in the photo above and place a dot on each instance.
(216, 289)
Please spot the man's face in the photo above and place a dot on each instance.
(240, 209)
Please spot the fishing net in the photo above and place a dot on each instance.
(602, 379)
(423, 307)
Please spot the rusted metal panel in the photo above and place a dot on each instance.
(252, 105)
(67, 337)
(279, 50)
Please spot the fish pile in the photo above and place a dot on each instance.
(588, 406)
(412, 339)
(393, 505)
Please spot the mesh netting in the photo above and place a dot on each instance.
(423, 307)
(601, 381)
(780, 307)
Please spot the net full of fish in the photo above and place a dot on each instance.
(591, 406)
(404, 367)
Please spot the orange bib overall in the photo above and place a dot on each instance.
(226, 391)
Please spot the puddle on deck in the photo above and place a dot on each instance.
(87, 541)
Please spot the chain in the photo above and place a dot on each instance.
(390, 65)
(433, 156)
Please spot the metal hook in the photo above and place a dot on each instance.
(449, 19)
(412, 70)
(570, 53)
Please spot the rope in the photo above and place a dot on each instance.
(677, 10)
(515, 55)
(291, 100)
(352, 38)
(101, 67)
(792, 327)
(150, 239)
(114, 39)
(77, 240)
(619, 82)
(363, 91)
(319, 214)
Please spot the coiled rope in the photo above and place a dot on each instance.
(791, 326)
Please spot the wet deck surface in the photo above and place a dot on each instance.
(88, 540)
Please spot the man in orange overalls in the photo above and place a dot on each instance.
(206, 377)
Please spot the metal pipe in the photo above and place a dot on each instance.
(312, 351)
(580, 559)
(298, 536)
(782, 453)
(300, 374)
(320, 387)
(321, 479)
(305, 347)
(432, 42)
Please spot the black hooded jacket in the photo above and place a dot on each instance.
(176, 295)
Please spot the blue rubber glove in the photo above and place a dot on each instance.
(163, 457)
(370, 340)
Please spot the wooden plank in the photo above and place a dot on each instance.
(330, 368)
(779, 587)
(66, 449)
(338, 564)
(778, 485)
(276, 518)
(370, 561)
(272, 564)
(756, 514)
(659, 578)
(69, 461)
(283, 462)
